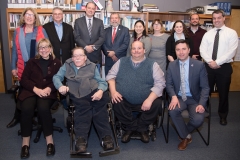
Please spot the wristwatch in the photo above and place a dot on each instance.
(94, 48)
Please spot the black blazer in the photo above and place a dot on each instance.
(66, 44)
(170, 47)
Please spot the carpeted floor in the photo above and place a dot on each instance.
(224, 141)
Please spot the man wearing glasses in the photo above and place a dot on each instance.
(60, 35)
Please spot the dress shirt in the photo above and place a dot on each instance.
(186, 78)
(227, 46)
(113, 30)
(59, 29)
(87, 20)
(159, 79)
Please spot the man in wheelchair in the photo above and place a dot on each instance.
(87, 91)
(135, 84)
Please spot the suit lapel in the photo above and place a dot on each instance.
(119, 30)
(178, 75)
(64, 30)
(54, 30)
(190, 72)
(86, 25)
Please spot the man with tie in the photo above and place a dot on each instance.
(218, 48)
(60, 35)
(116, 42)
(89, 34)
(187, 86)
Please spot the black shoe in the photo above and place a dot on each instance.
(107, 143)
(25, 152)
(50, 149)
(144, 137)
(13, 123)
(126, 136)
(223, 121)
(81, 145)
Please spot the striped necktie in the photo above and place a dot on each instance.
(89, 27)
(183, 84)
(215, 46)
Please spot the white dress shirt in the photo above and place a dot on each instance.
(227, 46)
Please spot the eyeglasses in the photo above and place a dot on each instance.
(156, 24)
(79, 55)
(29, 15)
(43, 48)
(57, 14)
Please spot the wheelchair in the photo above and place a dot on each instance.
(70, 127)
(151, 128)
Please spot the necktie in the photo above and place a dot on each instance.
(183, 87)
(89, 27)
(215, 46)
(114, 34)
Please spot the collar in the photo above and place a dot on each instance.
(186, 62)
(222, 28)
(56, 24)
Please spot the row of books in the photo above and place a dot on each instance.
(14, 19)
(65, 4)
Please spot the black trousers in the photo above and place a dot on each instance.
(222, 78)
(88, 111)
(27, 112)
(124, 112)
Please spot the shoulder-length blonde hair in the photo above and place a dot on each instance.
(160, 22)
(38, 56)
(37, 21)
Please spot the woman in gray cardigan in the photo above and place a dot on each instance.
(140, 34)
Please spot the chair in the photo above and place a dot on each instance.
(185, 115)
(151, 128)
(36, 124)
(70, 127)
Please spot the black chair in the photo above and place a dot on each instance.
(151, 128)
(36, 124)
(185, 115)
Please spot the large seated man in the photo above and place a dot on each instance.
(187, 86)
(135, 84)
(87, 92)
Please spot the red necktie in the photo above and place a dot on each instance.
(114, 34)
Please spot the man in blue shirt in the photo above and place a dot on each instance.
(187, 86)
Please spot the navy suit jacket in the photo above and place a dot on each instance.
(66, 44)
(119, 46)
(198, 80)
(83, 39)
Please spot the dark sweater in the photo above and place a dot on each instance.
(135, 83)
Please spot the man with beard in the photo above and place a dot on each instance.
(196, 33)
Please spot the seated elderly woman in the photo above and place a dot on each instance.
(38, 91)
(87, 91)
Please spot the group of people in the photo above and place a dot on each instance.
(135, 68)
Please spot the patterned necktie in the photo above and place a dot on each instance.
(89, 27)
(215, 46)
(183, 85)
(114, 34)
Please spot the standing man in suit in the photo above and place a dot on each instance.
(187, 86)
(116, 42)
(60, 35)
(196, 33)
(218, 47)
(89, 34)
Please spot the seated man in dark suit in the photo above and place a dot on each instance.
(135, 84)
(187, 86)
(87, 91)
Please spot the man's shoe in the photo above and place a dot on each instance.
(50, 149)
(13, 123)
(144, 137)
(25, 152)
(107, 143)
(223, 121)
(183, 145)
(81, 145)
(126, 136)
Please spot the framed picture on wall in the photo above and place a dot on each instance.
(124, 5)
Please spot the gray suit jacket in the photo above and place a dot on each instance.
(83, 39)
(198, 80)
